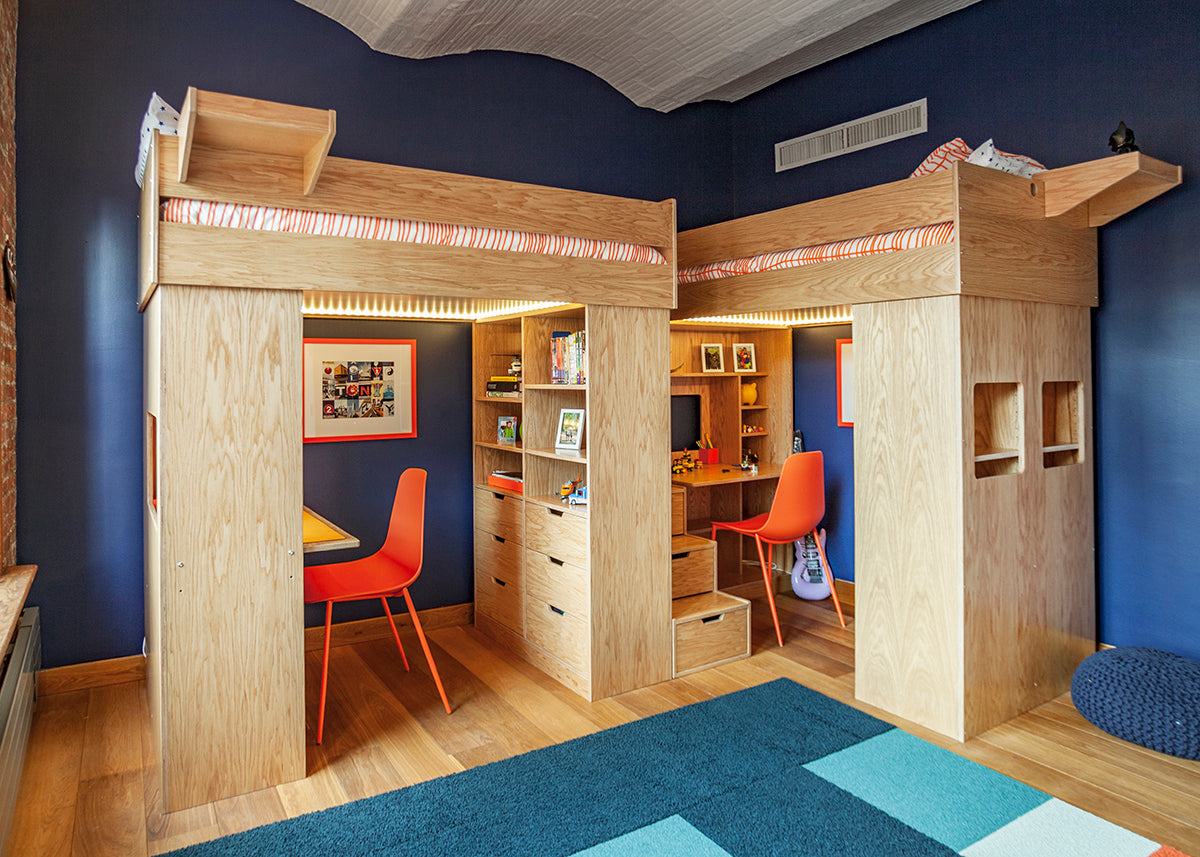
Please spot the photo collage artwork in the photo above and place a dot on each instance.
(357, 389)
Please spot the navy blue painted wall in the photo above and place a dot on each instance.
(1051, 80)
(815, 405)
(353, 482)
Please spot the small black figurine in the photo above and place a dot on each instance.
(1121, 140)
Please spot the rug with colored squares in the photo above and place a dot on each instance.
(776, 769)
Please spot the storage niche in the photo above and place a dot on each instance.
(1062, 423)
(998, 409)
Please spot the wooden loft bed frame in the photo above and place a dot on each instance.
(224, 488)
(233, 149)
(973, 483)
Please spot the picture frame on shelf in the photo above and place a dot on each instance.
(712, 357)
(359, 389)
(743, 357)
(506, 431)
(569, 434)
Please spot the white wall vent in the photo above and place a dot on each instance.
(882, 127)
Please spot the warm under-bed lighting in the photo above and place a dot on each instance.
(356, 305)
(809, 317)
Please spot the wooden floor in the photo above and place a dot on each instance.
(90, 787)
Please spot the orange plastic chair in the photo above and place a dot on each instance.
(387, 573)
(798, 506)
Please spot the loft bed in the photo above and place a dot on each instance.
(233, 154)
(221, 304)
(973, 484)
(905, 240)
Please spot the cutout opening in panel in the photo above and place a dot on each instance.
(998, 410)
(151, 435)
(1062, 423)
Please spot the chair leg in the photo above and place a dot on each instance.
(829, 576)
(396, 634)
(425, 647)
(766, 570)
(324, 672)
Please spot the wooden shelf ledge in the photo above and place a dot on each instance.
(1109, 187)
(14, 589)
(212, 120)
(704, 605)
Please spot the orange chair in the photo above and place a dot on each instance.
(798, 506)
(386, 573)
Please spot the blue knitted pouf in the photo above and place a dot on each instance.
(1146, 696)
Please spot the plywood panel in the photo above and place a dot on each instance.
(882, 208)
(908, 454)
(1028, 536)
(629, 484)
(209, 255)
(232, 621)
(1011, 250)
(148, 227)
(898, 275)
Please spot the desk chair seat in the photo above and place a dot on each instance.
(385, 574)
(797, 508)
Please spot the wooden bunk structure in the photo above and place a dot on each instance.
(974, 544)
(223, 556)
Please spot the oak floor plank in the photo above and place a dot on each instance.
(386, 727)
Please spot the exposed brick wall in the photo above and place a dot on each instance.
(8, 337)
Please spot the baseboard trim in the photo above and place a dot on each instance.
(92, 674)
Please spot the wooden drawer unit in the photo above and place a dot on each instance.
(709, 629)
(556, 582)
(500, 513)
(499, 580)
(557, 533)
(693, 565)
(558, 633)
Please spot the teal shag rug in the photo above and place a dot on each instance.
(773, 769)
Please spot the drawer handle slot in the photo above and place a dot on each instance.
(683, 555)
(556, 561)
(500, 539)
(558, 513)
(498, 495)
(557, 610)
(499, 582)
(707, 619)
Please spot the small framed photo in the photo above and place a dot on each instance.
(570, 429)
(712, 357)
(743, 357)
(506, 431)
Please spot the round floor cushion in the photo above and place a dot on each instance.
(1146, 696)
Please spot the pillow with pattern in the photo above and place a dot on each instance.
(987, 155)
(943, 156)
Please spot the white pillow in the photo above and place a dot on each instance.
(987, 155)
(159, 116)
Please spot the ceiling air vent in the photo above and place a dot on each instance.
(881, 127)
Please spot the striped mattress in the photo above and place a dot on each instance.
(903, 239)
(196, 212)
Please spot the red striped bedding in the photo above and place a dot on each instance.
(238, 216)
(903, 239)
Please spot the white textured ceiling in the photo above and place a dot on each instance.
(659, 53)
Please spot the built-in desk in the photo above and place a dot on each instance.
(725, 492)
(323, 535)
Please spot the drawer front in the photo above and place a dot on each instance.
(501, 514)
(557, 533)
(678, 515)
(703, 642)
(499, 580)
(557, 633)
(693, 572)
(555, 582)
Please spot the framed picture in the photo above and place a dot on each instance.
(743, 357)
(845, 382)
(570, 429)
(506, 431)
(359, 389)
(712, 357)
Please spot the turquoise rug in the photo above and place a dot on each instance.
(774, 769)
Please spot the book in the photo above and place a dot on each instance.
(509, 480)
(568, 357)
(503, 386)
(500, 394)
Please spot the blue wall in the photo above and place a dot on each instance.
(1051, 80)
